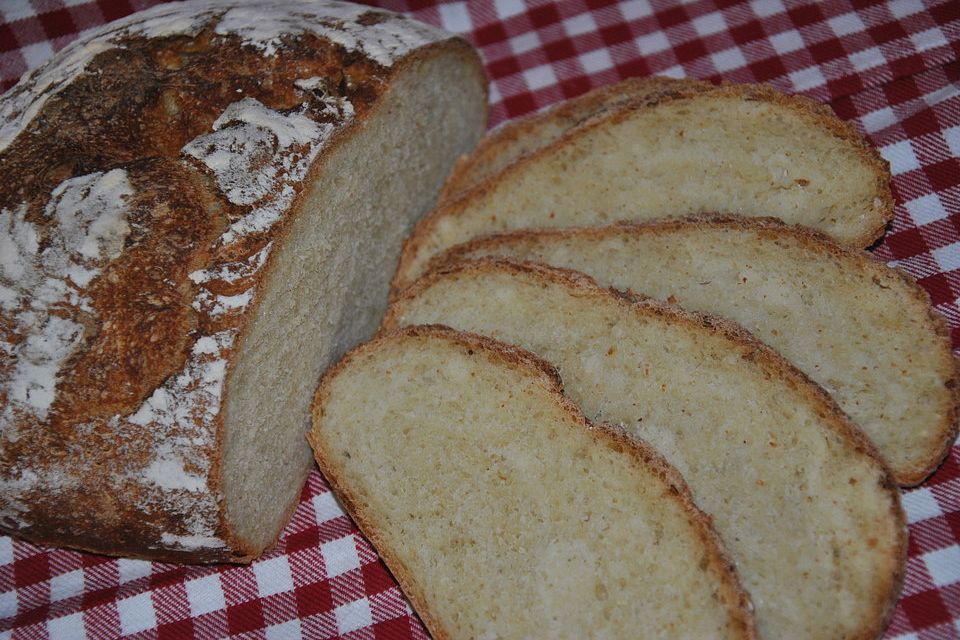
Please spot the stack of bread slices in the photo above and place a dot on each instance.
(744, 387)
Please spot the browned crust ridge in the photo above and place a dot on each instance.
(811, 240)
(737, 600)
(742, 342)
(808, 109)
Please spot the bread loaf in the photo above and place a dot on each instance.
(738, 149)
(518, 138)
(866, 333)
(200, 207)
(809, 513)
(502, 511)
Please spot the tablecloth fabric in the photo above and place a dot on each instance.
(889, 67)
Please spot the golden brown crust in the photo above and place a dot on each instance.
(737, 599)
(157, 310)
(809, 110)
(742, 342)
(817, 243)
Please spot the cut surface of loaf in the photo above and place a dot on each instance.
(200, 208)
(517, 138)
(809, 513)
(502, 511)
(863, 331)
(737, 149)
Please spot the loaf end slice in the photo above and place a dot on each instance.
(863, 331)
(517, 138)
(193, 215)
(736, 149)
(809, 512)
(502, 511)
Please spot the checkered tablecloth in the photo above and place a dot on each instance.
(890, 67)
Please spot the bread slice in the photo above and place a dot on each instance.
(739, 149)
(201, 206)
(863, 331)
(808, 511)
(502, 511)
(517, 138)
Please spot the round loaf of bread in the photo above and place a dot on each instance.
(200, 208)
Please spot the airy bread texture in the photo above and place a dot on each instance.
(200, 208)
(517, 138)
(738, 149)
(808, 511)
(863, 331)
(502, 511)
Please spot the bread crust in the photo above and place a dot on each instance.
(720, 565)
(750, 348)
(806, 108)
(180, 294)
(812, 240)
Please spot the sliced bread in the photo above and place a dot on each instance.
(863, 331)
(502, 511)
(808, 511)
(740, 149)
(517, 138)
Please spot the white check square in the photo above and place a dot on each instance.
(205, 595)
(866, 59)
(596, 61)
(879, 119)
(353, 616)
(455, 17)
(901, 157)
(943, 565)
(8, 604)
(526, 42)
(289, 630)
(948, 257)
(709, 23)
(136, 614)
(728, 59)
(652, 43)
(6, 550)
(326, 507)
(952, 136)
(920, 505)
(787, 41)
(540, 77)
(578, 25)
(926, 209)
(340, 556)
(131, 570)
(273, 576)
(807, 79)
(66, 585)
(847, 23)
(66, 628)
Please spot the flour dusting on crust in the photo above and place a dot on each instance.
(262, 24)
(41, 288)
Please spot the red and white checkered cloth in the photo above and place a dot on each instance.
(890, 67)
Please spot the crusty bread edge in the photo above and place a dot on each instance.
(750, 348)
(805, 108)
(805, 237)
(738, 601)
